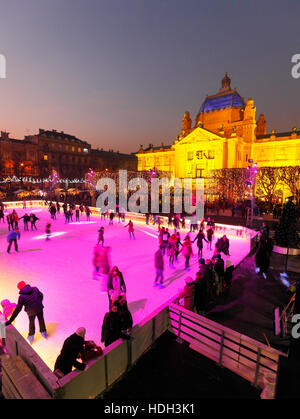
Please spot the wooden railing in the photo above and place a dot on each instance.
(246, 357)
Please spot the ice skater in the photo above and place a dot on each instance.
(31, 298)
(159, 267)
(77, 211)
(48, 231)
(200, 237)
(101, 236)
(12, 237)
(130, 229)
(33, 220)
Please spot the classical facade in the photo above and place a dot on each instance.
(225, 134)
(48, 151)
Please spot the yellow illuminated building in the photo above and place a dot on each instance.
(225, 135)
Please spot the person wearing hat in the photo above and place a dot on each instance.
(73, 346)
(112, 325)
(188, 293)
(31, 298)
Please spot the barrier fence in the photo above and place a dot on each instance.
(252, 360)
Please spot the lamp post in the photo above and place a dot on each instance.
(252, 168)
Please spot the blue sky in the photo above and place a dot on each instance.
(122, 73)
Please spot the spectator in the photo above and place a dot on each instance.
(72, 348)
(188, 294)
(112, 325)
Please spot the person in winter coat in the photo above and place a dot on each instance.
(229, 268)
(101, 259)
(9, 222)
(201, 287)
(2, 215)
(159, 266)
(33, 220)
(262, 259)
(209, 235)
(26, 220)
(112, 326)
(125, 317)
(72, 348)
(15, 219)
(8, 308)
(200, 237)
(130, 229)
(31, 298)
(116, 285)
(187, 252)
(101, 236)
(222, 245)
(12, 237)
(188, 293)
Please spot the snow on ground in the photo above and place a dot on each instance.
(62, 269)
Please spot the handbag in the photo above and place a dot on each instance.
(90, 351)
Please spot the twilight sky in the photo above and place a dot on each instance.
(120, 73)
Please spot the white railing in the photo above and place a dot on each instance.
(246, 357)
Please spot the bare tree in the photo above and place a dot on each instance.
(290, 176)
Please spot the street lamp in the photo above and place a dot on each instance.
(251, 184)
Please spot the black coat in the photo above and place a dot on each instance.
(222, 246)
(31, 298)
(111, 328)
(200, 237)
(67, 359)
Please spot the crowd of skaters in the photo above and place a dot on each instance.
(213, 277)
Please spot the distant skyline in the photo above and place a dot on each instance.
(121, 73)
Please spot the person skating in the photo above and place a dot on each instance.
(2, 215)
(222, 245)
(187, 252)
(33, 220)
(209, 235)
(48, 231)
(9, 222)
(200, 237)
(101, 236)
(77, 211)
(116, 285)
(111, 217)
(12, 237)
(32, 300)
(26, 220)
(130, 229)
(87, 213)
(72, 348)
(159, 267)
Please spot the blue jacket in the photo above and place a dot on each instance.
(13, 235)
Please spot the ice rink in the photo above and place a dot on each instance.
(62, 269)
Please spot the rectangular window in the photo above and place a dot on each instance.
(211, 154)
(190, 155)
(199, 154)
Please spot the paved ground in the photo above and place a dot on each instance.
(249, 308)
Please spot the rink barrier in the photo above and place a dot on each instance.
(117, 359)
(250, 359)
(246, 357)
(236, 232)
